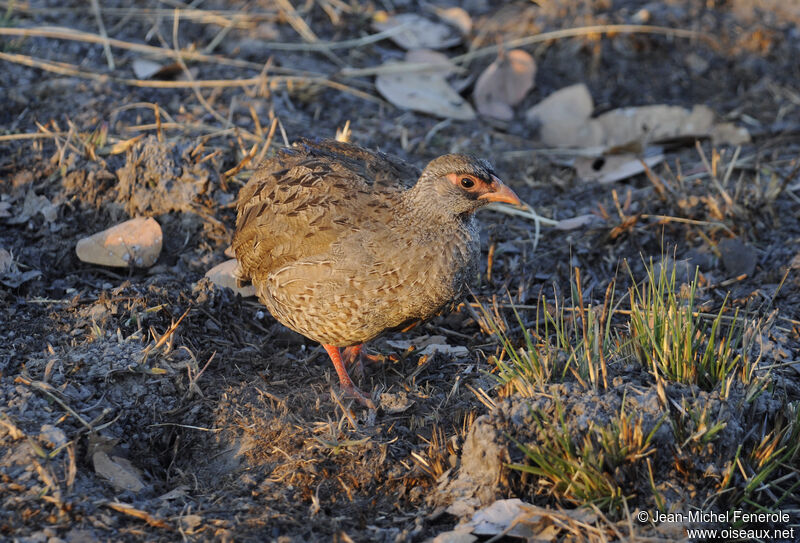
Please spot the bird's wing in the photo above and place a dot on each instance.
(298, 203)
(381, 170)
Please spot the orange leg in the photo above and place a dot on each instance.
(353, 358)
(344, 378)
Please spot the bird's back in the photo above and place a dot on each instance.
(301, 201)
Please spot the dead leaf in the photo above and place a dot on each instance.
(136, 242)
(228, 275)
(427, 92)
(10, 274)
(191, 522)
(439, 62)
(497, 517)
(504, 83)
(138, 513)
(653, 123)
(148, 69)
(33, 205)
(458, 17)
(428, 345)
(6, 261)
(611, 168)
(456, 535)
(562, 119)
(577, 222)
(418, 32)
(729, 134)
(120, 472)
(145, 69)
(122, 146)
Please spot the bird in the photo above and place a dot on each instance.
(343, 243)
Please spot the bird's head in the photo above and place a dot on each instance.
(463, 183)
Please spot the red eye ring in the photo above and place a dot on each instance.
(467, 183)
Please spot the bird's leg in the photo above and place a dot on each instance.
(354, 356)
(344, 379)
(352, 359)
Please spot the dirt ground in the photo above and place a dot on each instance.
(228, 429)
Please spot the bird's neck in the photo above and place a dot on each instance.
(422, 204)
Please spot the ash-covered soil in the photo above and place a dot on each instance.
(148, 404)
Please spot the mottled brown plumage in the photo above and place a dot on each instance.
(343, 243)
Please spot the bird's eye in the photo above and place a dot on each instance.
(467, 183)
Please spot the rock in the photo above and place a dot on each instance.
(228, 275)
(136, 242)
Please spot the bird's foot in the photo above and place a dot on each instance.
(346, 383)
(358, 395)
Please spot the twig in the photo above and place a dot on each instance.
(270, 136)
(304, 30)
(45, 388)
(72, 70)
(215, 16)
(582, 31)
(103, 34)
(525, 213)
(669, 218)
(165, 337)
(175, 23)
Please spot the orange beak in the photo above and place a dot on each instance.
(500, 193)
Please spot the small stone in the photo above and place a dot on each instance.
(135, 241)
(227, 275)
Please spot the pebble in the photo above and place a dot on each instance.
(226, 275)
(136, 243)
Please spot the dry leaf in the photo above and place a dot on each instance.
(145, 69)
(504, 83)
(124, 145)
(653, 123)
(428, 345)
(729, 134)
(418, 32)
(228, 275)
(576, 222)
(33, 205)
(10, 274)
(136, 242)
(458, 17)
(439, 62)
(562, 119)
(6, 262)
(119, 471)
(611, 168)
(455, 536)
(427, 92)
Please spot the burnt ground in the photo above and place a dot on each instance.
(227, 429)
